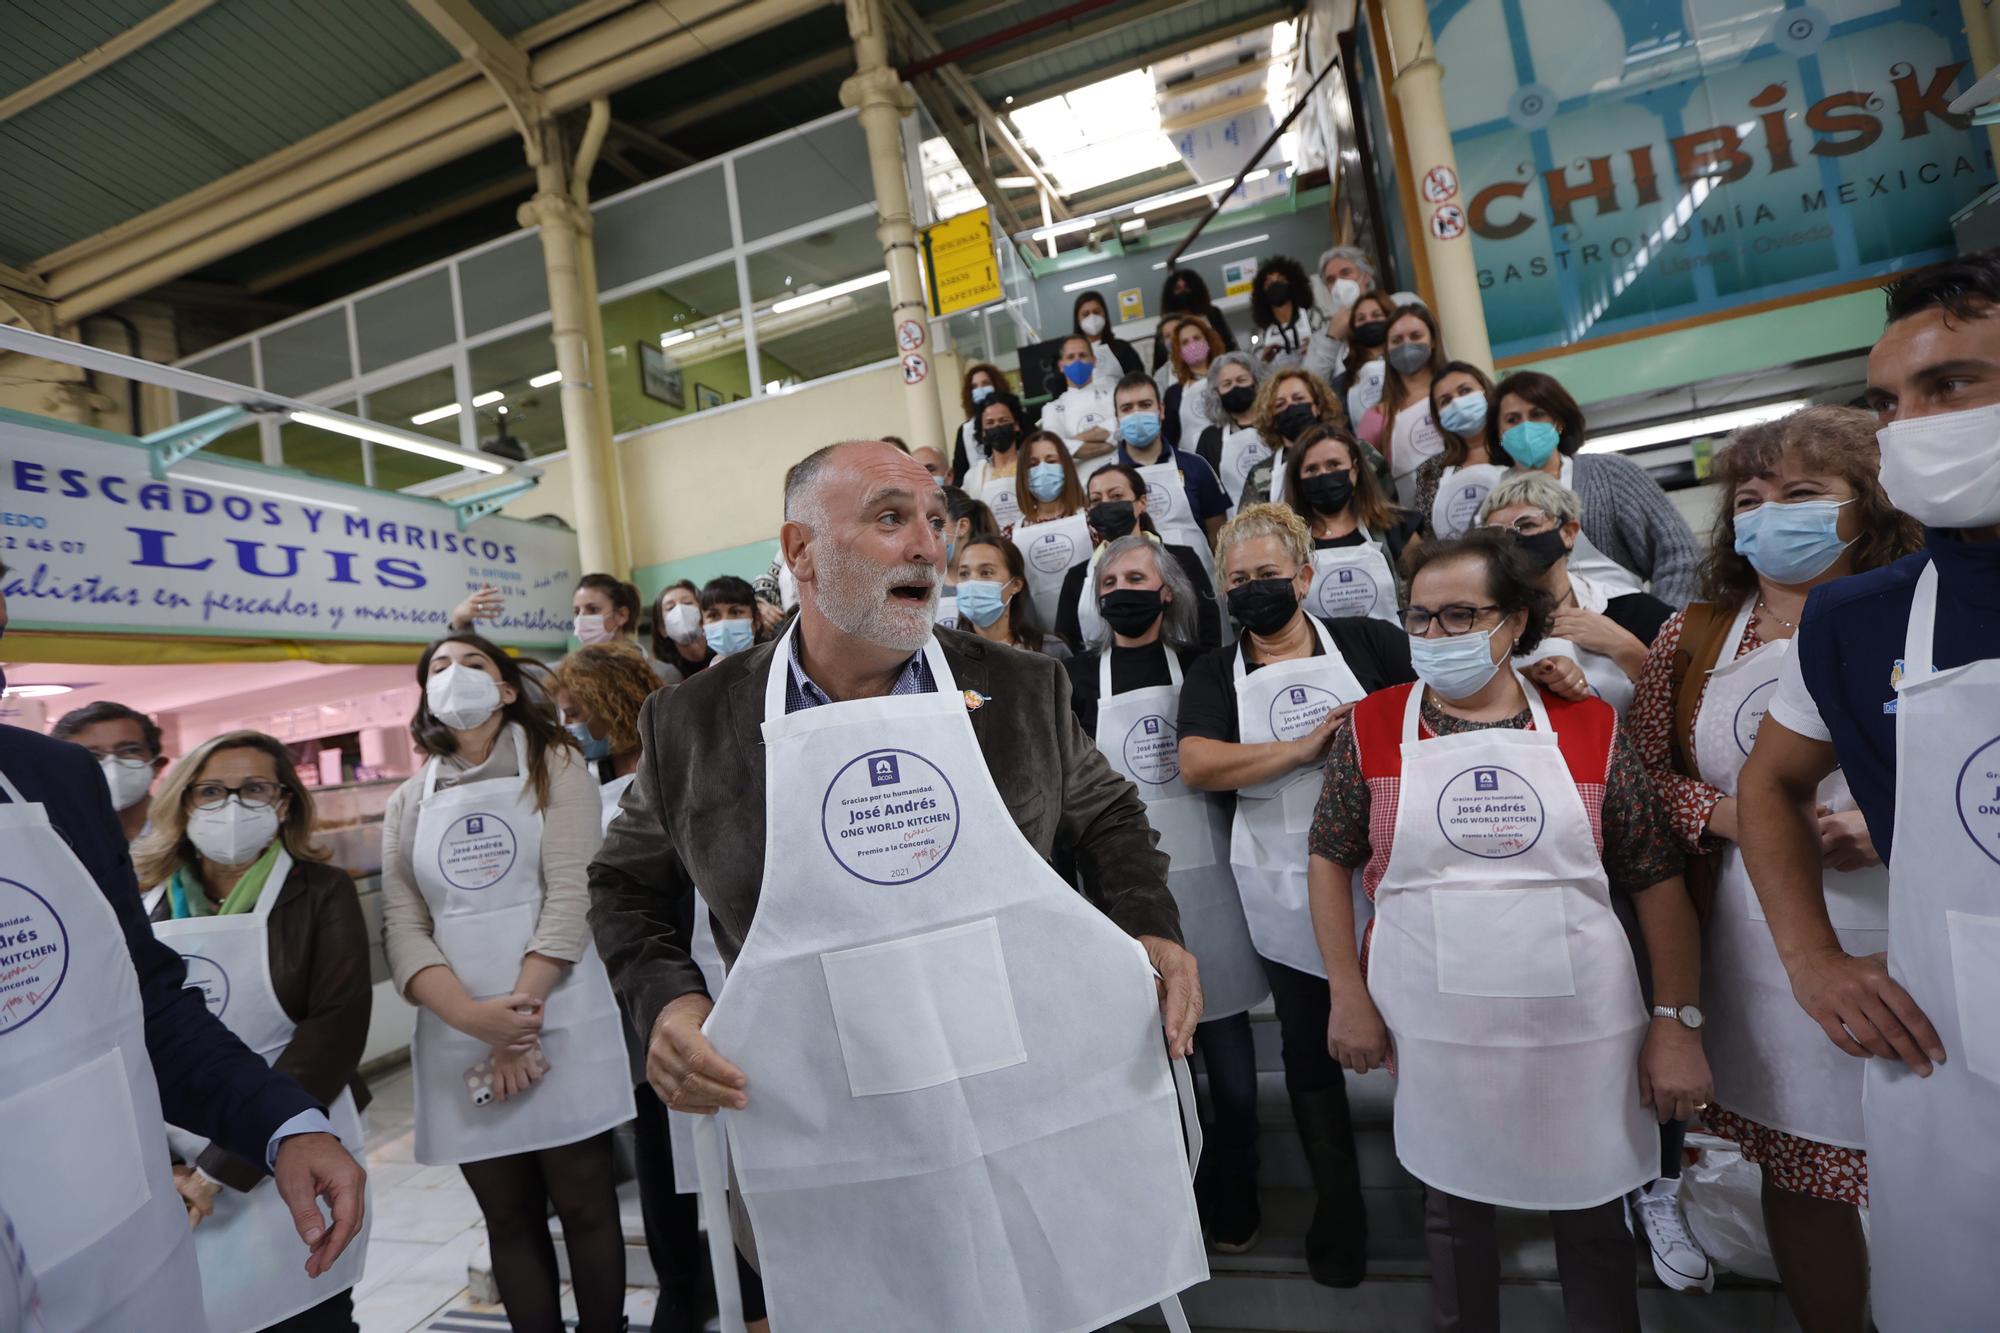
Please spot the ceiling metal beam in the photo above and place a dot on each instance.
(839, 60)
(960, 138)
(503, 63)
(1057, 38)
(651, 144)
(1178, 47)
(619, 163)
(521, 183)
(90, 62)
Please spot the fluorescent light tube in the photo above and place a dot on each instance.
(669, 339)
(359, 431)
(488, 398)
(543, 381)
(1082, 283)
(435, 414)
(1062, 228)
(1687, 428)
(1221, 249)
(829, 293)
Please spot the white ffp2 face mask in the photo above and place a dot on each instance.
(1944, 470)
(683, 623)
(233, 834)
(129, 782)
(1345, 292)
(1091, 324)
(462, 698)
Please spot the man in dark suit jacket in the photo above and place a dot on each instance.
(695, 815)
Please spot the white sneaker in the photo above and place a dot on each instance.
(1677, 1256)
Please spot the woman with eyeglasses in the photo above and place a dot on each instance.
(274, 939)
(519, 1053)
(1255, 719)
(1591, 630)
(1498, 982)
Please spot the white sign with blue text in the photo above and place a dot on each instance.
(93, 543)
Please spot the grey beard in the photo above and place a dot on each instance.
(863, 612)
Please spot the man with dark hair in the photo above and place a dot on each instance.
(126, 744)
(1142, 443)
(103, 1044)
(1896, 680)
(1081, 415)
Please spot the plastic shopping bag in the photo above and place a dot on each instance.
(1720, 1193)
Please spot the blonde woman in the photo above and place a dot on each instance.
(1290, 403)
(274, 939)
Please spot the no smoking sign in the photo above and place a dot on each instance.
(1440, 184)
(1448, 222)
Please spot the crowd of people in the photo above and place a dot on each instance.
(1338, 675)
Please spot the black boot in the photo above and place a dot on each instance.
(1337, 1240)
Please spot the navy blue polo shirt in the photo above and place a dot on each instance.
(1204, 492)
(1851, 638)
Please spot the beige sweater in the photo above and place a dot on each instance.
(572, 828)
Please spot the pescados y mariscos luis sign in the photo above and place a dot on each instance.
(92, 542)
(1646, 165)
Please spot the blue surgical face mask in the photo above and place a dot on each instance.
(1079, 372)
(1531, 442)
(981, 392)
(1139, 429)
(1457, 665)
(729, 636)
(980, 602)
(1464, 415)
(593, 748)
(1791, 543)
(1045, 481)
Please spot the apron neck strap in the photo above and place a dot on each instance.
(274, 883)
(780, 673)
(1413, 707)
(1735, 636)
(1917, 656)
(10, 791)
(1104, 668)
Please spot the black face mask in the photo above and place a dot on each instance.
(997, 439)
(1113, 519)
(1237, 401)
(1327, 493)
(1371, 333)
(1294, 420)
(1278, 293)
(1131, 611)
(1264, 606)
(1179, 300)
(1543, 549)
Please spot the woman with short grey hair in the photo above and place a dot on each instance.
(1232, 444)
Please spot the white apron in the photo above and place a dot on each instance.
(611, 793)
(680, 1125)
(1267, 841)
(1352, 581)
(477, 852)
(1605, 676)
(1933, 1170)
(947, 611)
(1048, 550)
(1365, 392)
(253, 1264)
(1242, 450)
(1136, 732)
(961, 1111)
(1593, 564)
(996, 489)
(1460, 492)
(1168, 506)
(1196, 397)
(1505, 980)
(83, 1163)
(1088, 408)
(1414, 439)
(1771, 1061)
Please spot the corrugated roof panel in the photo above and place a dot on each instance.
(1116, 51)
(514, 16)
(41, 37)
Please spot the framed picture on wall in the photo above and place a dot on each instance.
(660, 376)
(705, 397)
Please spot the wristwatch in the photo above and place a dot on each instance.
(1687, 1015)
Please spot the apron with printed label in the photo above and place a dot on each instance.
(477, 852)
(1606, 678)
(1172, 513)
(1196, 399)
(1283, 701)
(1352, 581)
(997, 491)
(1242, 450)
(253, 1264)
(84, 1172)
(1414, 439)
(1505, 979)
(1048, 550)
(1136, 732)
(947, 611)
(1771, 1061)
(1933, 1169)
(961, 1111)
(1460, 492)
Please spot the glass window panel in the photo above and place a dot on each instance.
(504, 284)
(527, 417)
(802, 177)
(395, 406)
(807, 339)
(662, 229)
(308, 355)
(405, 321)
(675, 349)
(322, 452)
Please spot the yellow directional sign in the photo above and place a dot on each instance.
(959, 267)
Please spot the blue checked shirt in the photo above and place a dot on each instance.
(800, 692)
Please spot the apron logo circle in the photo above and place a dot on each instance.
(1343, 592)
(1978, 801)
(1750, 713)
(1490, 811)
(476, 851)
(206, 975)
(34, 954)
(1152, 751)
(889, 817)
(1297, 709)
(1053, 552)
(1464, 506)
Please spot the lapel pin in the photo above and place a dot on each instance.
(974, 701)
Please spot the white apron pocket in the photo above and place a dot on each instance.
(1502, 942)
(923, 1010)
(1975, 980)
(485, 948)
(72, 1159)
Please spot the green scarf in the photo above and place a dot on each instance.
(189, 899)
